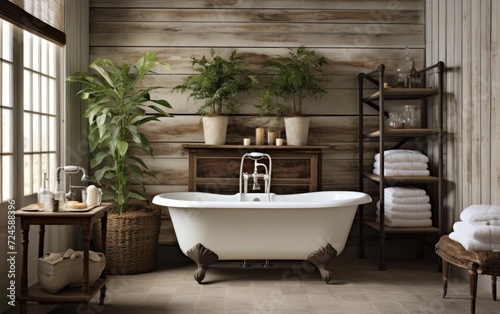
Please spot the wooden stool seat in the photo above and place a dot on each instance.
(476, 262)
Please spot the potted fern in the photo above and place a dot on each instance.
(294, 76)
(117, 105)
(217, 84)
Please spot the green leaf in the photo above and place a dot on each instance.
(139, 160)
(137, 195)
(121, 147)
(96, 161)
(101, 172)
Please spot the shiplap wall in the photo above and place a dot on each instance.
(465, 35)
(355, 36)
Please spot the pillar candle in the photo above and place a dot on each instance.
(246, 141)
(259, 136)
(271, 137)
(279, 142)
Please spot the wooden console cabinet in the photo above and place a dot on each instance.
(216, 168)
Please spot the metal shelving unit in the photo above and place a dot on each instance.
(376, 79)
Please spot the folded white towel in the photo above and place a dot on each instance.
(68, 253)
(407, 222)
(53, 258)
(481, 214)
(399, 155)
(408, 200)
(388, 214)
(403, 165)
(405, 207)
(482, 233)
(472, 245)
(411, 173)
(399, 191)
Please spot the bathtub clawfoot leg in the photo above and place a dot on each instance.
(322, 259)
(203, 257)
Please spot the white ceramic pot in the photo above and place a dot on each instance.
(297, 130)
(215, 129)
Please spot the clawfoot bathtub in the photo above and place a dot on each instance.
(310, 226)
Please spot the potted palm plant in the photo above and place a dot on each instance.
(117, 105)
(217, 84)
(294, 76)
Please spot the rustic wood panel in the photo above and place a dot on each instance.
(343, 61)
(356, 36)
(259, 15)
(495, 101)
(263, 4)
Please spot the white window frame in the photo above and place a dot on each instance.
(25, 183)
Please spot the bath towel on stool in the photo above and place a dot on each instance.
(481, 215)
(479, 229)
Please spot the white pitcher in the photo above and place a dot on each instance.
(94, 196)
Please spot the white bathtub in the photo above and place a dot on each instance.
(310, 226)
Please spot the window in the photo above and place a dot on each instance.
(29, 93)
(6, 112)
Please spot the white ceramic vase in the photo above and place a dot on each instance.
(297, 130)
(215, 129)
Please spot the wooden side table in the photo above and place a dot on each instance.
(67, 295)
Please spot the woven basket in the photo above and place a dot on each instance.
(131, 241)
(67, 272)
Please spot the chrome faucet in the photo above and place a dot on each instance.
(243, 180)
(73, 170)
(256, 175)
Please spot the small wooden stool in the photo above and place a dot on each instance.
(477, 262)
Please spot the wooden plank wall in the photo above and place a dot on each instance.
(355, 36)
(465, 34)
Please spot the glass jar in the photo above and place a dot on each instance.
(411, 117)
(400, 78)
(396, 120)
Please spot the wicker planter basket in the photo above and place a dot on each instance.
(131, 242)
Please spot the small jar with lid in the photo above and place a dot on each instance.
(396, 120)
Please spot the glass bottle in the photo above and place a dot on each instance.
(411, 80)
(44, 195)
(396, 120)
(411, 117)
(59, 197)
(400, 78)
(406, 68)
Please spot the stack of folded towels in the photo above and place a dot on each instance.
(406, 207)
(402, 162)
(479, 228)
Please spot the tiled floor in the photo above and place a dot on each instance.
(407, 286)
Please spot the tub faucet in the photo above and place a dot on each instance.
(243, 180)
(72, 170)
(256, 175)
